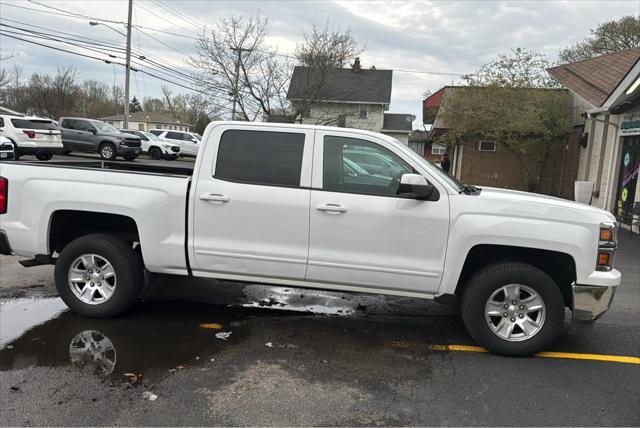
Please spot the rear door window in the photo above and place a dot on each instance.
(260, 157)
(33, 124)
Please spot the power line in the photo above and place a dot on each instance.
(139, 56)
(73, 13)
(3, 33)
(158, 16)
(181, 14)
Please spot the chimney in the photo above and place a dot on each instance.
(356, 65)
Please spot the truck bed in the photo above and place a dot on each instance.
(132, 167)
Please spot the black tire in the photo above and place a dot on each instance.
(127, 266)
(130, 157)
(488, 280)
(155, 153)
(44, 156)
(107, 151)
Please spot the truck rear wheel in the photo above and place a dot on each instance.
(99, 276)
(513, 309)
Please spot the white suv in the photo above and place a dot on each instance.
(189, 141)
(154, 146)
(31, 135)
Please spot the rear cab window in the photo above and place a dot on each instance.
(260, 157)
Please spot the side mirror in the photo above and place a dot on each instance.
(415, 186)
(94, 131)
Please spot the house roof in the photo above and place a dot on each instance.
(397, 122)
(342, 84)
(141, 116)
(595, 79)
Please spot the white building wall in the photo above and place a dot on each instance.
(143, 126)
(327, 114)
(403, 137)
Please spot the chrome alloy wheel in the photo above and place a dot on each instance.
(92, 279)
(515, 312)
(106, 151)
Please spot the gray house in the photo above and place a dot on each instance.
(347, 97)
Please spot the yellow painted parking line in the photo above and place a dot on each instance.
(549, 354)
(211, 325)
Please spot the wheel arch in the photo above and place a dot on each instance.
(561, 267)
(67, 225)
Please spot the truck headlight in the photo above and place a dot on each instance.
(167, 146)
(607, 243)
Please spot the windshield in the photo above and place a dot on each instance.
(150, 136)
(198, 136)
(103, 126)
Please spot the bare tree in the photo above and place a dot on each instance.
(239, 70)
(153, 104)
(4, 71)
(321, 50)
(54, 96)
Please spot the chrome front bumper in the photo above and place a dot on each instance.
(591, 301)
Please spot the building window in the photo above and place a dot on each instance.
(438, 149)
(141, 127)
(417, 146)
(306, 113)
(364, 111)
(342, 121)
(487, 146)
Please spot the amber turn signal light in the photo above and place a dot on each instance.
(604, 258)
(606, 235)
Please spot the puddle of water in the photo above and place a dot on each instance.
(20, 315)
(312, 301)
(158, 337)
(145, 344)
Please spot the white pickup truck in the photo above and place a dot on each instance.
(298, 205)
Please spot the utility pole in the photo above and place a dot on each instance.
(128, 68)
(238, 52)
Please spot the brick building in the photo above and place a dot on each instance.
(486, 162)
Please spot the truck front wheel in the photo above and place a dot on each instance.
(107, 151)
(513, 308)
(99, 276)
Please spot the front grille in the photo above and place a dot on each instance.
(175, 149)
(132, 143)
(6, 146)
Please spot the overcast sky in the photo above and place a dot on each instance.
(439, 37)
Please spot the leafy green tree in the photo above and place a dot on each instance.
(609, 37)
(512, 101)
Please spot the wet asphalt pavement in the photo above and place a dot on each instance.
(298, 357)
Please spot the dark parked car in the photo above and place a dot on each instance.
(89, 135)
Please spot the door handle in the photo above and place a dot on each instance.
(215, 198)
(334, 208)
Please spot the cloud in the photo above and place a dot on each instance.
(451, 37)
